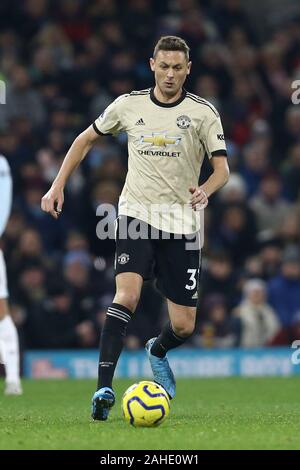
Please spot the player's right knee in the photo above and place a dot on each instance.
(129, 299)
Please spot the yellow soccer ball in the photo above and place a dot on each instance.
(145, 404)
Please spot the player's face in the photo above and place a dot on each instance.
(170, 70)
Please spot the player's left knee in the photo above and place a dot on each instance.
(184, 330)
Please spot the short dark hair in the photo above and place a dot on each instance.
(172, 43)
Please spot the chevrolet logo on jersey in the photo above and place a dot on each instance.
(158, 139)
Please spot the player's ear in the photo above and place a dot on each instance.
(189, 66)
(152, 62)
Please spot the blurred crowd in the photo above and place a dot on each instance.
(63, 62)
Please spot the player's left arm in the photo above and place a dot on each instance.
(212, 135)
(218, 178)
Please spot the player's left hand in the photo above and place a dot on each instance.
(199, 199)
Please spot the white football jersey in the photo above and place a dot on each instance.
(166, 147)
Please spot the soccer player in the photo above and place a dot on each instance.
(9, 345)
(169, 131)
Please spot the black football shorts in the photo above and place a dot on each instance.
(173, 261)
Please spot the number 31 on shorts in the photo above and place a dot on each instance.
(193, 279)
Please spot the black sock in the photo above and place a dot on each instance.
(111, 342)
(165, 341)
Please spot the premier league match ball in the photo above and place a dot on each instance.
(145, 404)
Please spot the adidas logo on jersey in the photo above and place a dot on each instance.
(195, 296)
(140, 122)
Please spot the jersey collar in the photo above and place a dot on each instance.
(167, 105)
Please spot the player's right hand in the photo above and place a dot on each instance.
(52, 201)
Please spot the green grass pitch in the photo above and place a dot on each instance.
(229, 413)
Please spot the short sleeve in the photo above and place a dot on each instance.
(111, 121)
(213, 136)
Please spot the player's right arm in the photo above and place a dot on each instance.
(53, 200)
(108, 123)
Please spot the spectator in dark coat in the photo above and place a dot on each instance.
(284, 293)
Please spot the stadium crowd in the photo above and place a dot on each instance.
(63, 62)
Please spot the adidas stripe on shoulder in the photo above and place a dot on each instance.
(202, 101)
(140, 92)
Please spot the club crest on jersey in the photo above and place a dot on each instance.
(123, 258)
(183, 122)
